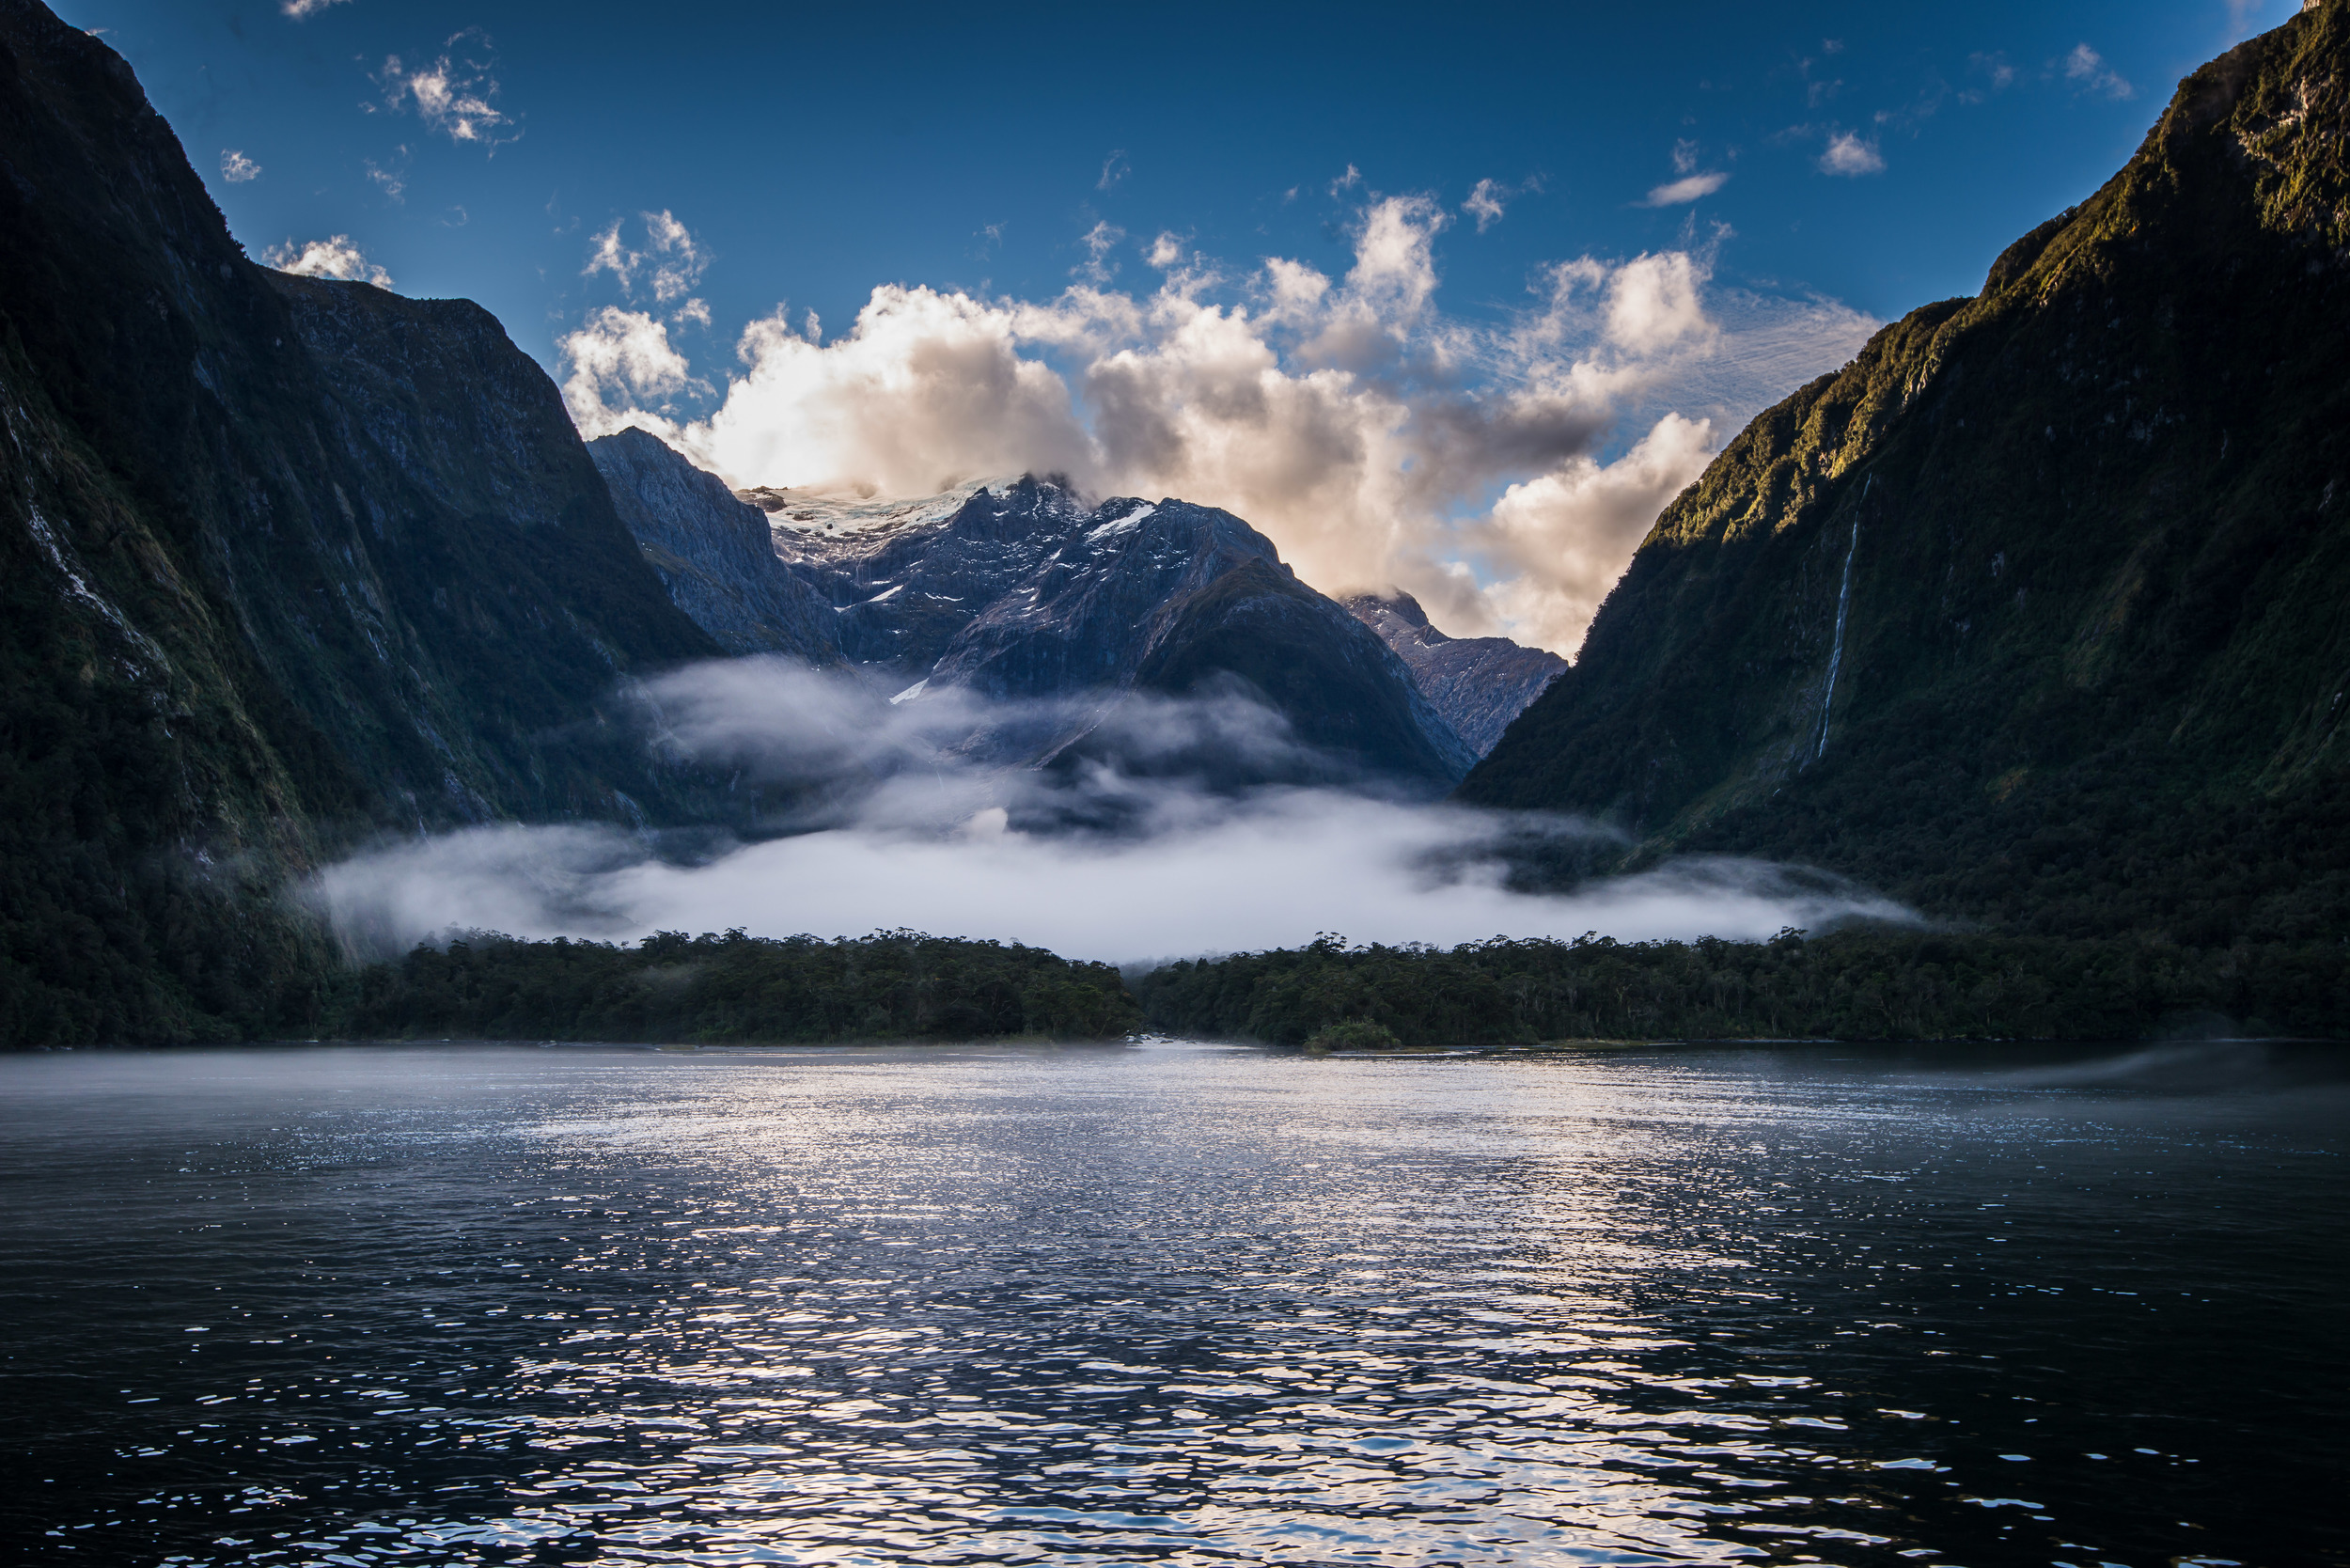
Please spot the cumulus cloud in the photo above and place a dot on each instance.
(334, 256)
(1093, 862)
(1849, 154)
(300, 8)
(623, 373)
(1114, 169)
(455, 94)
(1584, 519)
(1691, 188)
(2087, 68)
(237, 169)
(1368, 433)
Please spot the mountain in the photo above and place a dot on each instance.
(1478, 684)
(1020, 591)
(2037, 612)
(1024, 592)
(713, 552)
(283, 562)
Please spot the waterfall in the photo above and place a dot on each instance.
(1843, 607)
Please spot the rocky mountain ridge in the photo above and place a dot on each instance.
(1478, 684)
(1021, 591)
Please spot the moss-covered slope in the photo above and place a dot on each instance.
(2037, 611)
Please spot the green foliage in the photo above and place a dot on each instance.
(708, 989)
(2096, 528)
(1853, 985)
(1355, 1034)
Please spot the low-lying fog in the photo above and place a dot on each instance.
(1161, 828)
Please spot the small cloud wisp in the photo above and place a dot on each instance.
(334, 256)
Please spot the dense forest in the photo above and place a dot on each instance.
(1855, 985)
(671, 987)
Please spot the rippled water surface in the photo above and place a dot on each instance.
(1173, 1304)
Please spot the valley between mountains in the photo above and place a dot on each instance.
(2025, 634)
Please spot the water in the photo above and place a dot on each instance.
(1173, 1304)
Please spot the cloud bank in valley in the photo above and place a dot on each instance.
(1500, 471)
(1125, 859)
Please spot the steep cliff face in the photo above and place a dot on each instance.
(2036, 611)
(1019, 590)
(1478, 684)
(713, 552)
(283, 561)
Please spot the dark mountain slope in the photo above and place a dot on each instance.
(284, 561)
(713, 552)
(1478, 684)
(2039, 611)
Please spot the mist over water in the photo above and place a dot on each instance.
(1157, 828)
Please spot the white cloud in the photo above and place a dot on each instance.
(1099, 241)
(392, 180)
(237, 169)
(1584, 519)
(1484, 204)
(300, 8)
(1848, 155)
(1368, 434)
(334, 256)
(2086, 66)
(1347, 181)
(669, 263)
(1693, 188)
(623, 355)
(1114, 169)
(454, 96)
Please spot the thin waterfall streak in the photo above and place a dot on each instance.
(1836, 653)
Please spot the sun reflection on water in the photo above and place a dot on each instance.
(1175, 1304)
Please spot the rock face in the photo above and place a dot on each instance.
(1020, 591)
(712, 552)
(2034, 612)
(281, 563)
(1478, 684)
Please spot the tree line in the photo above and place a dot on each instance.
(1860, 984)
(896, 985)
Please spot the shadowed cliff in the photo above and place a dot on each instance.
(283, 561)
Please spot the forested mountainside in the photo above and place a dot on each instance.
(1019, 591)
(1478, 684)
(2037, 613)
(281, 560)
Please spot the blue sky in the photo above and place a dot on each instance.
(1864, 157)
